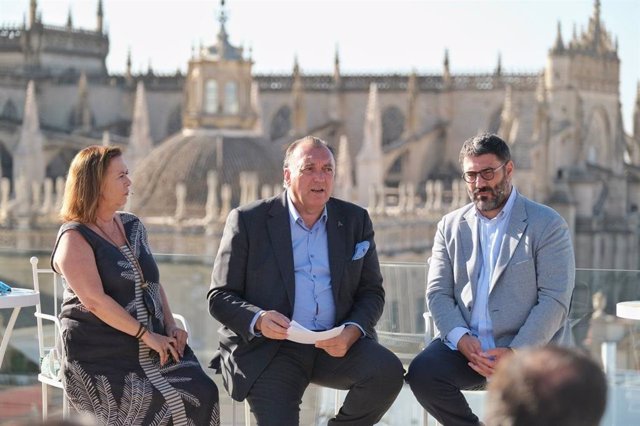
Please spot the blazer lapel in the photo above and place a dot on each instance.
(513, 234)
(279, 230)
(336, 240)
(468, 233)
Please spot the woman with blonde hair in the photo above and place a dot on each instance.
(127, 362)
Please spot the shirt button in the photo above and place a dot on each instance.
(311, 255)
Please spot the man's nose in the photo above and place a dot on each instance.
(319, 175)
(479, 180)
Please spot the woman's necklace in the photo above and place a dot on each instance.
(106, 234)
(133, 259)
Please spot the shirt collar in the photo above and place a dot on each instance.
(295, 215)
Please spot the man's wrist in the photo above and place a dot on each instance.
(258, 325)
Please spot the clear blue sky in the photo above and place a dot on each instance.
(372, 35)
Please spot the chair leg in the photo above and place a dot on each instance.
(45, 402)
(247, 413)
(65, 405)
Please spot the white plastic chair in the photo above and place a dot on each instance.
(48, 349)
(52, 345)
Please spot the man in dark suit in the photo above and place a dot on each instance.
(307, 257)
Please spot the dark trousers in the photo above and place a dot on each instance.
(372, 374)
(436, 377)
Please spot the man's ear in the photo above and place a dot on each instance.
(509, 166)
(287, 176)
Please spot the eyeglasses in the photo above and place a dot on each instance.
(486, 174)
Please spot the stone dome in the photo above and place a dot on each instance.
(188, 157)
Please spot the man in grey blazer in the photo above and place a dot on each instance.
(306, 257)
(501, 276)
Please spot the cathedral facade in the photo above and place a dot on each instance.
(203, 142)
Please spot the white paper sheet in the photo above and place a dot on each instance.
(299, 334)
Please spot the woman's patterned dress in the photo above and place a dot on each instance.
(111, 374)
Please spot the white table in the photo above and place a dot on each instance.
(17, 299)
(629, 309)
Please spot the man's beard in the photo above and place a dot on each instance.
(494, 198)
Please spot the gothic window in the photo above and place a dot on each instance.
(211, 97)
(231, 104)
(597, 142)
(6, 162)
(281, 123)
(392, 124)
(9, 111)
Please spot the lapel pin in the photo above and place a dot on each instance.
(339, 224)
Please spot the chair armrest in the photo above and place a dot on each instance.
(183, 322)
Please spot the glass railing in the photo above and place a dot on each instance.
(401, 328)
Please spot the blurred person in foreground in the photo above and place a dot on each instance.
(546, 386)
(500, 277)
(307, 257)
(127, 362)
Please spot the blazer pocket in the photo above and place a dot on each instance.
(518, 262)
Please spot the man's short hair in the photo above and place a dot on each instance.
(485, 143)
(546, 386)
(314, 141)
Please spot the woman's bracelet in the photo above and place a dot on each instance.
(144, 330)
(140, 332)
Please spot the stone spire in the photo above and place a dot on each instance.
(223, 37)
(541, 122)
(28, 157)
(298, 101)
(412, 100)
(636, 116)
(596, 40)
(335, 97)
(140, 143)
(595, 25)
(69, 19)
(128, 76)
(369, 161)
(541, 91)
(498, 71)
(507, 116)
(558, 45)
(256, 107)
(33, 13)
(446, 73)
(99, 18)
(337, 78)
(344, 172)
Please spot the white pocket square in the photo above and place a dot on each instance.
(361, 249)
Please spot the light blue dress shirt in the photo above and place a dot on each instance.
(491, 234)
(313, 307)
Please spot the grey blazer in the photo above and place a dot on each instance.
(531, 288)
(254, 270)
